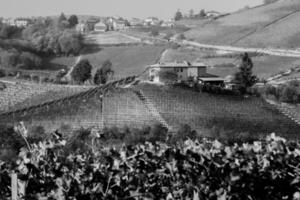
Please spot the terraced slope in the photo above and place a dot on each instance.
(272, 25)
(17, 94)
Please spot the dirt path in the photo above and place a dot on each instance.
(68, 75)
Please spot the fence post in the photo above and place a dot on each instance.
(14, 186)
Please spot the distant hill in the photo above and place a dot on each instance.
(270, 25)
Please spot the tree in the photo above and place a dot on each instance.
(70, 42)
(62, 18)
(82, 71)
(191, 14)
(73, 21)
(29, 61)
(178, 15)
(202, 13)
(244, 77)
(102, 74)
(62, 21)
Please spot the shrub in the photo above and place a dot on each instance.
(35, 78)
(289, 94)
(2, 73)
(29, 61)
(158, 133)
(70, 43)
(45, 80)
(82, 71)
(104, 73)
(36, 134)
(184, 132)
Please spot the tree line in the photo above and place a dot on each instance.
(24, 48)
(191, 15)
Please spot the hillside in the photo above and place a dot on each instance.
(146, 104)
(271, 25)
(22, 94)
(223, 114)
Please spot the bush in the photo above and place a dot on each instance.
(2, 73)
(35, 78)
(29, 61)
(103, 74)
(82, 71)
(70, 43)
(45, 80)
(289, 93)
(36, 134)
(184, 132)
(12, 58)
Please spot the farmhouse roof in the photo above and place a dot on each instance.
(178, 64)
(208, 79)
(100, 24)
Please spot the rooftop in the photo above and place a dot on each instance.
(178, 64)
(207, 79)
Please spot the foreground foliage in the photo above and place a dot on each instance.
(201, 169)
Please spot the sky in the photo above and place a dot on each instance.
(163, 9)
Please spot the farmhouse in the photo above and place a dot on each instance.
(185, 71)
(90, 24)
(119, 25)
(81, 27)
(136, 22)
(100, 27)
(168, 24)
(22, 22)
(151, 21)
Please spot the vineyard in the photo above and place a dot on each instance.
(193, 169)
(118, 104)
(224, 113)
(15, 95)
(100, 107)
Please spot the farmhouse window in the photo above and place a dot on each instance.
(181, 69)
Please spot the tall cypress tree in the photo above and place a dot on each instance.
(244, 77)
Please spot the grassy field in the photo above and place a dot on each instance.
(110, 38)
(126, 60)
(209, 113)
(264, 66)
(271, 25)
